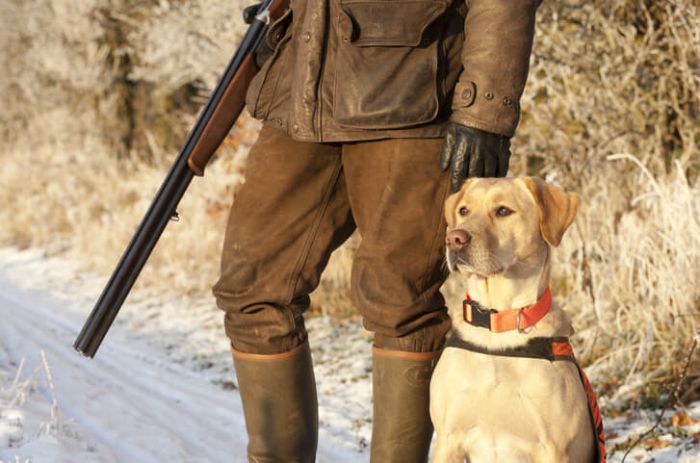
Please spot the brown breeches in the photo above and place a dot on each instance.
(300, 202)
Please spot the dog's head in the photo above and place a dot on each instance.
(497, 224)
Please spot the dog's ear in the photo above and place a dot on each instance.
(452, 200)
(557, 209)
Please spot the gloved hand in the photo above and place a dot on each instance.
(470, 152)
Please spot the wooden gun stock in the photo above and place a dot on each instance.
(229, 106)
(224, 116)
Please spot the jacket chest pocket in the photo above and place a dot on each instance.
(387, 63)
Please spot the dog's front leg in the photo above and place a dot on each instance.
(448, 450)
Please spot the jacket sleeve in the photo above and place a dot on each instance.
(495, 59)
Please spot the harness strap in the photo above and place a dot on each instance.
(552, 349)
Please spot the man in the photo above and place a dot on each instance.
(373, 111)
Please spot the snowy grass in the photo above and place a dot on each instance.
(13, 394)
(30, 430)
(675, 440)
(628, 278)
(17, 390)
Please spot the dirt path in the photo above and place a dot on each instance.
(126, 405)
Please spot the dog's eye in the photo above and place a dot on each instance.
(463, 211)
(503, 211)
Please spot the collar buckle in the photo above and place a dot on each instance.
(476, 315)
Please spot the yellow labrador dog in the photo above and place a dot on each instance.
(502, 390)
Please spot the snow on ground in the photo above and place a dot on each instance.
(677, 440)
(162, 387)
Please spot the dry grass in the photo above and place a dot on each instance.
(611, 111)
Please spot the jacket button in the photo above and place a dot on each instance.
(488, 95)
(507, 101)
(295, 127)
(306, 36)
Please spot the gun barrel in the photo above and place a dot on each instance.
(219, 114)
(132, 261)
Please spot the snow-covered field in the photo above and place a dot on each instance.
(162, 387)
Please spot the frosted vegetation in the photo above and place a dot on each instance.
(98, 95)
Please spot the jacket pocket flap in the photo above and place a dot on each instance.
(388, 22)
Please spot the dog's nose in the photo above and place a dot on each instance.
(457, 239)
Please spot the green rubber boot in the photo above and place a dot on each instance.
(402, 429)
(280, 405)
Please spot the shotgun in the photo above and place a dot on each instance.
(216, 119)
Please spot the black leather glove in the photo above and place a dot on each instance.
(470, 152)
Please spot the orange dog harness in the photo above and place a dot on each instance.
(552, 349)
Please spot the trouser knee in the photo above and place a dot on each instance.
(429, 337)
(265, 328)
(406, 312)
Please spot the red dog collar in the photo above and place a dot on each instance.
(507, 320)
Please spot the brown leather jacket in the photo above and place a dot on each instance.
(344, 70)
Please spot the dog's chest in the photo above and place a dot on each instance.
(472, 391)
